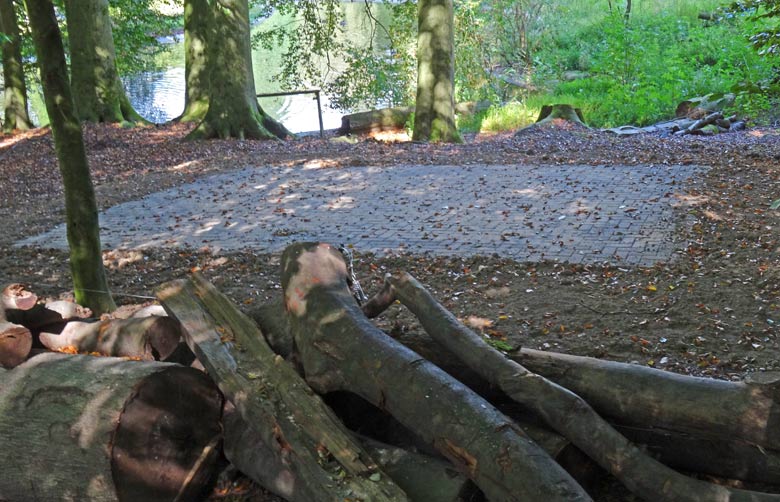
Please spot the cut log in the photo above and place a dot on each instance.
(386, 119)
(15, 296)
(635, 395)
(15, 344)
(50, 314)
(394, 119)
(561, 409)
(341, 350)
(322, 462)
(91, 428)
(146, 338)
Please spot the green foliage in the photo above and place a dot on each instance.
(765, 34)
(136, 24)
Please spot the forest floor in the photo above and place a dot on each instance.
(713, 311)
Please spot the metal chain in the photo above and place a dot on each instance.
(352, 281)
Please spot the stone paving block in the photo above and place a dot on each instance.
(522, 212)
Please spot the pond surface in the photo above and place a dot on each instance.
(159, 95)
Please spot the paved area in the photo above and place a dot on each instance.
(567, 213)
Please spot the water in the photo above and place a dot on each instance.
(158, 96)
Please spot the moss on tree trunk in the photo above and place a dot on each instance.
(15, 105)
(97, 91)
(233, 111)
(86, 264)
(434, 116)
(196, 100)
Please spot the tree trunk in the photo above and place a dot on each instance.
(147, 338)
(94, 428)
(434, 116)
(196, 98)
(15, 104)
(98, 93)
(341, 349)
(233, 110)
(86, 263)
(274, 403)
(561, 409)
(634, 395)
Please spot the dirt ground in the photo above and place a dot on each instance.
(715, 311)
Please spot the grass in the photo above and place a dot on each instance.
(637, 72)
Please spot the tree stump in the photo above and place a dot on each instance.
(94, 428)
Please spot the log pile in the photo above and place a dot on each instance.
(321, 405)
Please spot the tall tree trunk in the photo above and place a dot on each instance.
(97, 90)
(233, 111)
(434, 116)
(86, 264)
(16, 116)
(196, 100)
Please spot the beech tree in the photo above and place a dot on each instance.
(15, 105)
(196, 98)
(98, 92)
(434, 115)
(233, 110)
(86, 264)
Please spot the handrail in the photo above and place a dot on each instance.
(316, 93)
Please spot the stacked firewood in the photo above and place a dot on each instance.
(304, 382)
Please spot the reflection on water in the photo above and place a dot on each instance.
(159, 95)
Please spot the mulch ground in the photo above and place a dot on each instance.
(715, 311)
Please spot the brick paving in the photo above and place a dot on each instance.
(573, 213)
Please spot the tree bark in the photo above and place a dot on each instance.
(98, 93)
(561, 409)
(638, 396)
(196, 98)
(273, 402)
(48, 315)
(434, 115)
(233, 110)
(86, 263)
(91, 428)
(147, 338)
(341, 350)
(15, 97)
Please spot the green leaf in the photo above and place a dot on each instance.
(775, 204)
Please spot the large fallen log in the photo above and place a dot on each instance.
(282, 423)
(93, 428)
(392, 119)
(694, 424)
(146, 338)
(341, 349)
(639, 396)
(15, 342)
(563, 410)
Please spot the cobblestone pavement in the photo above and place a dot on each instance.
(573, 213)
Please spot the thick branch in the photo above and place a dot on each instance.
(563, 410)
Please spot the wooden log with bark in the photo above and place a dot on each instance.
(394, 119)
(93, 428)
(340, 349)
(291, 442)
(49, 314)
(563, 410)
(146, 338)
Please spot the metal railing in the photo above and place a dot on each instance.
(316, 93)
